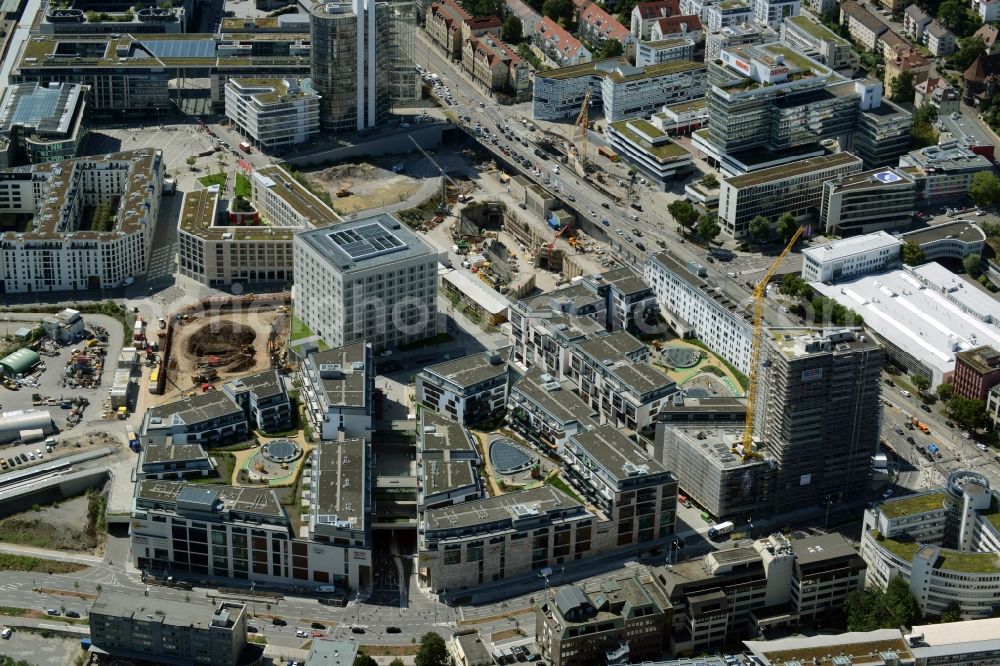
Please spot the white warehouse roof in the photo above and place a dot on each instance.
(848, 247)
(927, 312)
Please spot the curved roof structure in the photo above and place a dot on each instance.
(19, 362)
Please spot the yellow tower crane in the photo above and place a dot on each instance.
(583, 119)
(758, 331)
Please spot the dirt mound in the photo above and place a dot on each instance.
(220, 338)
(353, 172)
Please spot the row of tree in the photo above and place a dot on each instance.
(432, 652)
(707, 226)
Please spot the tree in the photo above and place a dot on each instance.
(793, 285)
(873, 608)
(708, 227)
(512, 30)
(956, 16)
(912, 254)
(945, 391)
(985, 189)
(923, 132)
(973, 265)
(953, 613)
(969, 413)
(759, 228)
(609, 48)
(710, 181)
(921, 382)
(968, 50)
(902, 87)
(560, 11)
(433, 651)
(683, 211)
(397, 662)
(364, 660)
(786, 226)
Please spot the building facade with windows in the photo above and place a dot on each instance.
(850, 257)
(817, 41)
(337, 388)
(57, 252)
(263, 398)
(204, 418)
(273, 112)
(42, 123)
(944, 543)
(871, 201)
(471, 389)
(977, 370)
(370, 279)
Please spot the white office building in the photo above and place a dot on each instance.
(819, 42)
(273, 112)
(64, 250)
(727, 14)
(370, 279)
(877, 200)
(922, 316)
(337, 388)
(944, 543)
(771, 13)
(650, 150)
(694, 307)
(851, 257)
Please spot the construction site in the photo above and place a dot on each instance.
(209, 345)
(361, 186)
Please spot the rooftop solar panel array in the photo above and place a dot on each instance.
(368, 241)
(180, 48)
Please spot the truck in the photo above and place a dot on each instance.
(245, 147)
(720, 529)
(133, 441)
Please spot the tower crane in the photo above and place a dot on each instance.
(758, 331)
(444, 174)
(583, 119)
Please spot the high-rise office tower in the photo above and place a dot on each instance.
(353, 62)
(821, 412)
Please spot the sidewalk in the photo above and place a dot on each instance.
(48, 625)
(45, 554)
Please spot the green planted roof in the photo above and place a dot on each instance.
(912, 505)
(665, 151)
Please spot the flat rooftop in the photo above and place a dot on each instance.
(612, 347)
(643, 378)
(821, 548)
(274, 90)
(715, 443)
(617, 454)
(163, 610)
(441, 476)
(874, 179)
(912, 505)
(477, 291)
(664, 151)
(798, 342)
(923, 321)
(822, 649)
(960, 230)
(962, 637)
(558, 401)
(195, 409)
(792, 170)
(164, 453)
(264, 384)
(439, 433)
(474, 369)
(620, 71)
(295, 195)
(339, 478)
(851, 246)
(218, 499)
(625, 280)
(47, 109)
(342, 372)
(816, 30)
(512, 506)
(366, 242)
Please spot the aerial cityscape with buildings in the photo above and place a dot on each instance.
(468, 332)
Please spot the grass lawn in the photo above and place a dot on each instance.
(213, 179)
(300, 330)
(243, 188)
(37, 565)
(565, 487)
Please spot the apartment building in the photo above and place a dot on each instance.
(560, 48)
(622, 90)
(738, 592)
(879, 200)
(546, 410)
(796, 188)
(771, 13)
(495, 65)
(613, 376)
(711, 470)
(645, 14)
(977, 370)
(851, 257)
(915, 21)
(207, 419)
(244, 533)
(649, 148)
(218, 246)
(42, 123)
(447, 462)
(817, 41)
(337, 389)
(682, 26)
(599, 26)
(448, 25)
(628, 487)
(864, 27)
(944, 543)
(943, 172)
(727, 14)
(939, 94)
(731, 37)
(470, 389)
(624, 619)
(174, 461)
(369, 279)
(810, 380)
(264, 401)
(940, 40)
(273, 112)
(54, 253)
(911, 62)
(663, 50)
(694, 307)
(134, 627)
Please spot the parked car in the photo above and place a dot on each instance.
(357, 630)
(393, 630)
(53, 611)
(982, 447)
(301, 633)
(949, 424)
(318, 625)
(72, 613)
(925, 408)
(278, 622)
(904, 393)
